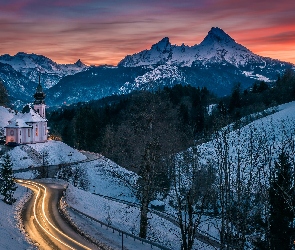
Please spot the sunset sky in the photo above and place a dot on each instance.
(104, 32)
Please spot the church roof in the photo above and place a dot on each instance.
(22, 120)
(17, 123)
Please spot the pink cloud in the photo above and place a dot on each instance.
(101, 32)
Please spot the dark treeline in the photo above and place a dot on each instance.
(259, 97)
(167, 114)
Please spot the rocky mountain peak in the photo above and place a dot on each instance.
(80, 64)
(217, 35)
(162, 46)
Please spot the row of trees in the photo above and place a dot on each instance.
(259, 97)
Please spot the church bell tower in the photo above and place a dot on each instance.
(39, 103)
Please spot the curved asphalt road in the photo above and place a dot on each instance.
(44, 224)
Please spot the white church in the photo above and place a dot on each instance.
(30, 125)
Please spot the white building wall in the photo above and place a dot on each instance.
(40, 132)
(27, 135)
(37, 133)
(40, 108)
(11, 135)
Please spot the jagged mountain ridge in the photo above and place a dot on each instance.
(217, 47)
(217, 63)
(31, 65)
(20, 74)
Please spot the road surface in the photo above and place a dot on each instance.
(44, 224)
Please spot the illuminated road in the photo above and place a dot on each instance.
(44, 224)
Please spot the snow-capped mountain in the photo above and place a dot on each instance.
(217, 47)
(216, 63)
(31, 65)
(20, 74)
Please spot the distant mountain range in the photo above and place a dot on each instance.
(20, 73)
(217, 63)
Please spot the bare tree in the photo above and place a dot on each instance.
(147, 135)
(193, 186)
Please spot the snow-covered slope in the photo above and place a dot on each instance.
(255, 146)
(161, 76)
(11, 236)
(54, 152)
(5, 115)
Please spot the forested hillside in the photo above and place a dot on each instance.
(120, 127)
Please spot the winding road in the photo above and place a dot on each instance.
(43, 222)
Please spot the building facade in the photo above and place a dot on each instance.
(30, 125)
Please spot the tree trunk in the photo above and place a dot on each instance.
(144, 219)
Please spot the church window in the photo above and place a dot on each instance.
(29, 132)
(36, 131)
(20, 132)
(11, 132)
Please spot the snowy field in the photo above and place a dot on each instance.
(57, 152)
(126, 218)
(54, 153)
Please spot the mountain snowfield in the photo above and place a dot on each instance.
(20, 74)
(161, 76)
(272, 132)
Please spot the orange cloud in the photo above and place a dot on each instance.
(103, 32)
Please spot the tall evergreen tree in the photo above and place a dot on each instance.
(8, 185)
(235, 101)
(281, 199)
